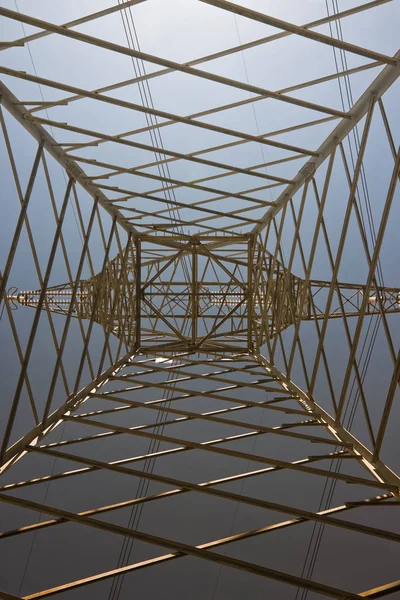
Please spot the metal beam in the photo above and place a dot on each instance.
(378, 87)
(19, 112)
(376, 467)
(302, 31)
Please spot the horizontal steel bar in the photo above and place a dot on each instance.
(181, 547)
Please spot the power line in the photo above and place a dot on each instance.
(47, 115)
(164, 172)
(330, 485)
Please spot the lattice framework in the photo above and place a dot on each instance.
(208, 290)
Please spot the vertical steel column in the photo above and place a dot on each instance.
(195, 296)
(138, 301)
(250, 293)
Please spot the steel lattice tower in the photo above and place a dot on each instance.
(199, 346)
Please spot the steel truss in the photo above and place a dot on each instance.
(194, 327)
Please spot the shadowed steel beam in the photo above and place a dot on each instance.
(378, 592)
(17, 450)
(182, 547)
(388, 405)
(202, 489)
(382, 590)
(6, 596)
(233, 453)
(205, 416)
(167, 557)
(169, 493)
(281, 430)
(376, 467)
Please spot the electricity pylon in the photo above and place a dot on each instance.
(190, 376)
(119, 296)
